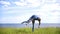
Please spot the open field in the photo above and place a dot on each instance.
(48, 30)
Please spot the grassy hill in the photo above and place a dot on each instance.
(48, 30)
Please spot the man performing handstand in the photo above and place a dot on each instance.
(33, 18)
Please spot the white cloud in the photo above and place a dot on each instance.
(10, 19)
(58, 1)
(16, 19)
(20, 3)
(34, 3)
(28, 3)
(49, 17)
(5, 4)
(48, 7)
(46, 11)
(50, 1)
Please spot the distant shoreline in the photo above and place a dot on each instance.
(18, 25)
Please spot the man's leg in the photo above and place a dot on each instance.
(33, 21)
(39, 23)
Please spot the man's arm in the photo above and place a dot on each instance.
(28, 21)
(23, 22)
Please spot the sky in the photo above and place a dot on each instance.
(17, 11)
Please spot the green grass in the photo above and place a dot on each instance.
(49, 30)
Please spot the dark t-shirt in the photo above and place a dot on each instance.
(34, 17)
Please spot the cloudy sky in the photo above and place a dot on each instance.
(16, 11)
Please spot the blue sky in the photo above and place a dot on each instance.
(16, 11)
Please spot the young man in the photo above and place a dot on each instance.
(33, 18)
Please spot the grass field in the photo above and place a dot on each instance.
(49, 30)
